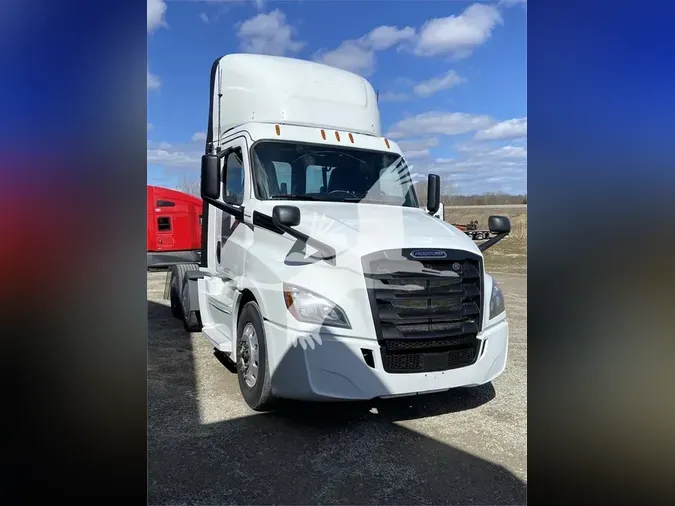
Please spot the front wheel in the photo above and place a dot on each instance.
(252, 365)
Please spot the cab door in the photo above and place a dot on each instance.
(234, 235)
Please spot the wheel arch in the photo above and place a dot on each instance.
(245, 296)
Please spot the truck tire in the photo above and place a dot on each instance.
(191, 320)
(479, 236)
(177, 276)
(175, 298)
(251, 355)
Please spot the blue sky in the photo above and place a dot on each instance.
(452, 76)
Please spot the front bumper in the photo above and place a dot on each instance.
(336, 369)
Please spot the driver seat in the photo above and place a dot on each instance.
(345, 178)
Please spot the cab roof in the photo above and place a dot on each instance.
(248, 88)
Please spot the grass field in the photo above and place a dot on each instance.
(510, 254)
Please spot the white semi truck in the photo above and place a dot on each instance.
(321, 278)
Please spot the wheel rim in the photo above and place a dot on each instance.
(249, 353)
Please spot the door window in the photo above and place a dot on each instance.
(234, 181)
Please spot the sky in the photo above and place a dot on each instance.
(451, 77)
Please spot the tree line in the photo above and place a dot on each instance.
(449, 197)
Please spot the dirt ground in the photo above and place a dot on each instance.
(467, 446)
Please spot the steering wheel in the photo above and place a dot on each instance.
(343, 191)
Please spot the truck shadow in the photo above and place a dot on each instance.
(346, 453)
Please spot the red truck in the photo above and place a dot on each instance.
(174, 230)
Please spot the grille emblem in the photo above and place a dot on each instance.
(428, 253)
(456, 266)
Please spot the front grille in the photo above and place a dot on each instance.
(427, 312)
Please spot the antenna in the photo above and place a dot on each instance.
(377, 96)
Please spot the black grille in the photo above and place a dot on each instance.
(427, 312)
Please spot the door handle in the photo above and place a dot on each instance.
(218, 252)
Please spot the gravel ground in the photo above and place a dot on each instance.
(205, 446)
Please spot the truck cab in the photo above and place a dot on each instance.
(173, 227)
(320, 276)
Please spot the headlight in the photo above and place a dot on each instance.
(496, 301)
(309, 307)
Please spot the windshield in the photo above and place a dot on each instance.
(297, 171)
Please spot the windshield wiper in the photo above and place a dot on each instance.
(294, 197)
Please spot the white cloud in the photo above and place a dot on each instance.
(172, 159)
(509, 152)
(424, 88)
(358, 55)
(482, 150)
(510, 129)
(268, 34)
(351, 56)
(178, 157)
(418, 144)
(436, 84)
(391, 96)
(156, 12)
(481, 167)
(431, 123)
(384, 37)
(203, 16)
(457, 36)
(479, 174)
(199, 136)
(416, 154)
(153, 81)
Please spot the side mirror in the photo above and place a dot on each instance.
(499, 224)
(433, 193)
(210, 187)
(286, 216)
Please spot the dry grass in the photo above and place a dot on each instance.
(509, 255)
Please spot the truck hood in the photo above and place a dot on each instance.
(365, 228)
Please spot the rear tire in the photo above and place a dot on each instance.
(250, 329)
(176, 310)
(177, 277)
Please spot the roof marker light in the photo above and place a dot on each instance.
(337, 136)
(386, 141)
(276, 127)
(323, 134)
(351, 138)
